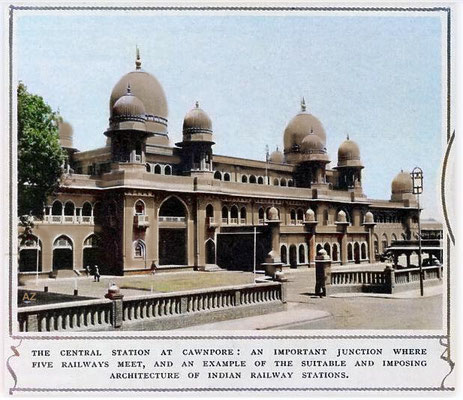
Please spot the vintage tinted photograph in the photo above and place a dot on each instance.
(203, 171)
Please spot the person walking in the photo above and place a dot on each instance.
(96, 276)
(88, 270)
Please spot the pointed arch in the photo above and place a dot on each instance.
(139, 207)
(157, 169)
(244, 179)
(173, 206)
(167, 170)
(335, 252)
(218, 175)
(139, 249)
(301, 254)
(210, 252)
(284, 254)
(252, 179)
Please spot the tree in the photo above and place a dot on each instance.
(40, 156)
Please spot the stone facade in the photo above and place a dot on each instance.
(139, 200)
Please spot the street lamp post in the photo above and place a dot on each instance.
(417, 178)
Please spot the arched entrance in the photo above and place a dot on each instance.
(284, 255)
(62, 254)
(210, 252)
(293, 256)
(172, 232)
(30, 255)
(91, 253)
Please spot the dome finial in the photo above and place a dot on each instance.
(197, 104)
(138, 60)
(303, 106)
(348, 137)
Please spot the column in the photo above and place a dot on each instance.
(344, 249)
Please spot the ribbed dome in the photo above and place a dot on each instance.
(65, 133)
(349, 154)
(299, 127)
(369, 218)
(310, 215)
(341, 216)
(197, 121)
(273, 214)
(402, 183)
(128, 107)
(277, 157)
(312, 144)
(149, 91)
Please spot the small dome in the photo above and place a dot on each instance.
(273, 214)
(197, 121)
(310, 215)
(349, 154)
(312, 144)
(369, 219)
(299, 127)
(277, 157)
(402, 183)
(65, 133)
(341, 216)
(128, 107)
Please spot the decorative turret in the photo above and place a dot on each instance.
(349, 166)
(197, 142)
(127, 129)
(402, 187)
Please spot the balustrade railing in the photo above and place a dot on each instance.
(172, 219)
(99, 314)
(71, 316)
(67, 219)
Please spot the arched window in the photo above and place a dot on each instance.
(210, 211)
(290, 183)
(224, 215)
(357, 252)
(234, 215)
(63, 242)
(292, 216)
(335, 250)
(319, 247)
(244, 179)
(139, 249)
(243, 215)
(139, 208)
(157, 169)
(148, 167)
(57, 208)
(210, 252)
(350, 255)
(261, 215)
(364, 251)
(284, 254)
(301, 254)
(283, 182)
(300, 215)
(167, 170)
(92, 241)
(226, 177)
(30, 254)
(69, 208)
(327, 248)
(384, 242)
(394, 237)
(260, 180)
(276, 182)
(86, 209)
(173, 208)
(252, 179)
(218, 175)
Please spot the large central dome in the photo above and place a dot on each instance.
(299, 127)
(149, 91)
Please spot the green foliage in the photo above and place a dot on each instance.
(40, 156)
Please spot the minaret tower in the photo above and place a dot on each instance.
(197, 143)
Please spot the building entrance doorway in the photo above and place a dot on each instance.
(172, 247)
(293, 256)
(62, 254)
(210, 252)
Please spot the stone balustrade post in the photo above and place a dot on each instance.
(32, 323)
(284, 292)
(117, 310)
(322, 272)
(237, 298)
(389, 279)
(183, 304)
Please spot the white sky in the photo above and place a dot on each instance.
(377, 78)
